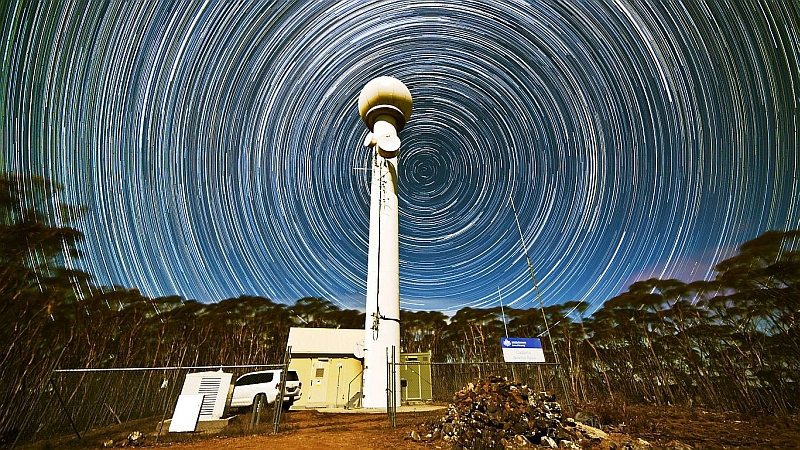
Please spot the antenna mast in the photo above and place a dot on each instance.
(541, 305)
(502, 310)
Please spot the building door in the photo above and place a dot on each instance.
(318, 391)
(413, 381)
(415, 371)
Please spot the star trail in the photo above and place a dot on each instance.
(218, 148)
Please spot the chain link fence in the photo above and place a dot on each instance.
(438, 382)
(89, 407)
(542, 377)
(94, 406)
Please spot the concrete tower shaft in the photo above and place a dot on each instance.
(385, 106)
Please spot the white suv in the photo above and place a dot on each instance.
(268, 383)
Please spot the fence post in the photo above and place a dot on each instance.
(64, 407)
(258, 405)
(276, 418)
(169, 391)
(391, 381)
(42, 388)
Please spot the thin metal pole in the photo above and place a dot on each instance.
(338, 383)
(132, 369)
(391, 405)
(64, 407)
(505, 325)
(349, 405)
(502, 310)
(533, 277)
(388, 387)
(42, 388)
(276, 418)
(168, 396)
(541, 305)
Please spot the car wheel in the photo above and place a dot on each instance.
(260, 401)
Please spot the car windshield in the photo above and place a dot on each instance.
(292, 376)
(254, 378)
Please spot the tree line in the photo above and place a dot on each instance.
(731, 342)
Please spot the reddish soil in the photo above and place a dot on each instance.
(702, 429)
(313, 430)
(664, 428)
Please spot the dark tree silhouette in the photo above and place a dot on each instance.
(732, 342)
(38, 286)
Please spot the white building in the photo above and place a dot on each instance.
(329, 362)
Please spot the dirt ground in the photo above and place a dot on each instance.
(664, 428)
(310, 429)
(704, 429)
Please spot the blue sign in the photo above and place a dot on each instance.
(522, 349)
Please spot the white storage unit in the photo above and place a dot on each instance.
(329, 364)
(214, 387)
(187, 411)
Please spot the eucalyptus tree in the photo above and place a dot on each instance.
(39, 286)
(314, 312)
(422, 331)
(245, 330)
(474, 335)
(759, 303)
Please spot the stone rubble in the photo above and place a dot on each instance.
(135, 439)
(496, 413)
(500, 414)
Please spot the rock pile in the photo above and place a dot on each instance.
(135, 439)
(499, 414)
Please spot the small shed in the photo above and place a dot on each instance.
(330, 366)
(416, 383)
(202, 402)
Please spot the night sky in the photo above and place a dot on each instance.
(218, 148)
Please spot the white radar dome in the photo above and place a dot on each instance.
(385, 96)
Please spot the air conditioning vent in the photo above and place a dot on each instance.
(209, 387)
(213, 386)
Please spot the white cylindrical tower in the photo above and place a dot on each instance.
(385, 106)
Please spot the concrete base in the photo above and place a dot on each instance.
(422, 407)
(203, 426)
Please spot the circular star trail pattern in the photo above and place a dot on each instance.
(218, 147)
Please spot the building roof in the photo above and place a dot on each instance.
(326, 341)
